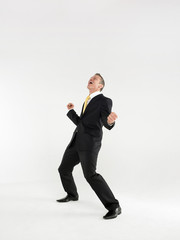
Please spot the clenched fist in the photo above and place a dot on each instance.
(70, 106)
(112, 117)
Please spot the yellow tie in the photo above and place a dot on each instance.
(85, 103)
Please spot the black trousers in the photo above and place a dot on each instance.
(88, 160)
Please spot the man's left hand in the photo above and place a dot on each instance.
(112, 118)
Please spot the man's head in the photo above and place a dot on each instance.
(96, 83)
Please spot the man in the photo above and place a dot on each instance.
(85, 145)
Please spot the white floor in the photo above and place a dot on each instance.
(30, 212)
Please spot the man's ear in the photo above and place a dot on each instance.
(100, 86)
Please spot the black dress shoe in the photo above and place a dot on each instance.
(113, 213)
(67, 199)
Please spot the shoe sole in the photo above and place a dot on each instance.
(67, 201)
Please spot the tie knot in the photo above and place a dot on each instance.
(88, 97)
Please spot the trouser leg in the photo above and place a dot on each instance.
(88, 162)
(69, 160)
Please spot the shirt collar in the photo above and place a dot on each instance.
(95, 94)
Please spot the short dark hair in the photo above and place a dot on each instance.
(101, 81)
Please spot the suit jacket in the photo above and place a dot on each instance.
(89, 124)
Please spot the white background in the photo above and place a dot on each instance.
(48, 52)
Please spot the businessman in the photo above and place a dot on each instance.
(85, 145)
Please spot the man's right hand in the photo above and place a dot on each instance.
(70, 106)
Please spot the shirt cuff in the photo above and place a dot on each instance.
(110, 124)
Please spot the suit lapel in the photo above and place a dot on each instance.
(82, 111)
(89, 104)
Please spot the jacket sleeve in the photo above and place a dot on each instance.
(73, 116)
(105, 111)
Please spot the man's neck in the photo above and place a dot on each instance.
(90, 92)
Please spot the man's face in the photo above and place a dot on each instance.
(94, 83)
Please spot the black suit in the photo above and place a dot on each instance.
(84, 147)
